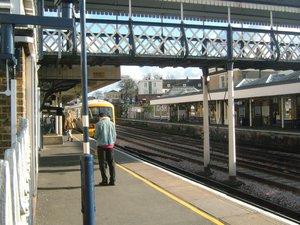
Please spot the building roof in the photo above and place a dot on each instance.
(176, 91)
(111, 91)
(276, 86)
(295, 76)
(167, 84)
(271, 79)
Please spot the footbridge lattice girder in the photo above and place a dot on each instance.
(118, 42)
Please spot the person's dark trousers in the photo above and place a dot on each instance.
(107, 154)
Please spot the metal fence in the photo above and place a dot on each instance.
(16, 180)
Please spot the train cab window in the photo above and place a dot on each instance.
(95, 111)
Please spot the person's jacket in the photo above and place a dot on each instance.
(105, 132)
(70, 123)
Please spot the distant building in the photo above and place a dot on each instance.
(148, 90)
(264, 99)
(150, 87)
(112, 96)
(169, 84)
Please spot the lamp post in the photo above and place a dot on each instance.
(87, 159)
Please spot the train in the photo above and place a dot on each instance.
(95, 107)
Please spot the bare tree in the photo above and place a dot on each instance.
(128, 89)
(152, 76)
(170, 77)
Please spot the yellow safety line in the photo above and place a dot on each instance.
(186, 204)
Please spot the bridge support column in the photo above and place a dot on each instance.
(231, 124)
(206, 155)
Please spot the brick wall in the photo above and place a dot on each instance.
(5, 118)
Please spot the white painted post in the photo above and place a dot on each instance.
(282, 112)
(181, 12)
(5, 194)
(21, 179)
(130, 12)
(231, 124)
(206, 156)
(13, 111)
(250, 112)
(59, 34)
(60, 125)
(56, 117)
(218, 112)
(10, 156)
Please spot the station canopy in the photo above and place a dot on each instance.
(253, 12)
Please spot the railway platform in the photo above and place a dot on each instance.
(143, 195)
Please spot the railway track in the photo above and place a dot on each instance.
(256, 167)
(262, 166)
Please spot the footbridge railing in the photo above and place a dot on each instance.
(16, 186)
(189, 42)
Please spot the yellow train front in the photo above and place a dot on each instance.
(95, 107)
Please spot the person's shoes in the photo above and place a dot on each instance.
(103, 183)
(112, 183)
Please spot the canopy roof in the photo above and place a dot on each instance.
(256, 12)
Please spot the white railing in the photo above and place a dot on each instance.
(16, 174)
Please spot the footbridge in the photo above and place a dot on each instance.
(117, 42)
(259, 34)
(207, 34)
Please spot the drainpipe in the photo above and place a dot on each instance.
(13, 108)
(7, 92)
(8, 48)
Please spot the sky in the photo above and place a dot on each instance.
(137, 73)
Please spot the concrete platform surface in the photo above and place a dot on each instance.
(143, 195)
(130, 202)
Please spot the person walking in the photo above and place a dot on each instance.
(105, 135)
(70, 123)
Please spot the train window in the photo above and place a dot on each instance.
(95, 111)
